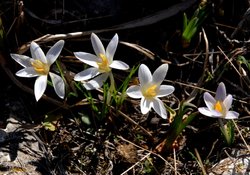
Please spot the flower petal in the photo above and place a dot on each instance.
(40, 86)
(205, 111)
(165, 90)
(228, 102)
(145, 75)
(116, 64)
(87, 74)
(145, 105)
(97, 45)
(111, 48)
(134, 92)
(58, 84)
(27, 72)
(97, 82)
(37, 52)
(160, 108)
(22, 59)
(87, 58)
(209, 100)
(216, 113)
(54, 52)
(160, 74)
(221, 92)
(232, 115)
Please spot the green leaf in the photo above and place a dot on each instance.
(181, 120)
(49, 126)
(2, 35)
(190, 30)
(190, 26)
(72, 94)
(185, 21)
(52, 118)
(227, 131)
(172, 112)
(120, 98)
(85, 119)
(242, 60)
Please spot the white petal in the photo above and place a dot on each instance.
(22, 59)
(97, 82)
(209, 100)
(165, 90)
(87, 74)
(232, 115)
(111, 48)
(54, 52)
(159, 108)
(205, 111)
(228, 102)
(221, 92)
(27, 72)
(58, 84)
(87, 58)
(97, 45)
(134, 92)
(116, 64)
(145, 105)
(216, 113)
(37, 52)
(160, 74)
(40, 86)
(145, 75)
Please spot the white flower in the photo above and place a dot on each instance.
(39, 66)
(219, 106)
(150, 89)
(102, 63)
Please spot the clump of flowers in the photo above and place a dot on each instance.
(39, 66)
(218, 107)
(102, 63)
(150, 89)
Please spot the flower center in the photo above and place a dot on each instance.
(104, 64)
(151, 91)
(40, 67)
(218, 107)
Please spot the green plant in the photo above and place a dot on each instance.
(242, 60)
(190, 26)
(183, 117)
(120, 94)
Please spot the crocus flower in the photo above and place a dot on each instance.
(39, 66)
(102, 63)
(150, 89)
(219, 106)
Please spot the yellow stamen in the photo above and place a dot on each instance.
(40, 67)
(218, 107)
(104, 64)
(150, 91)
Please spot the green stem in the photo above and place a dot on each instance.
(111, 89)
(60, 70)
(226, 130)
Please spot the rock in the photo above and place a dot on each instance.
(19, 150)
(238, 165)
